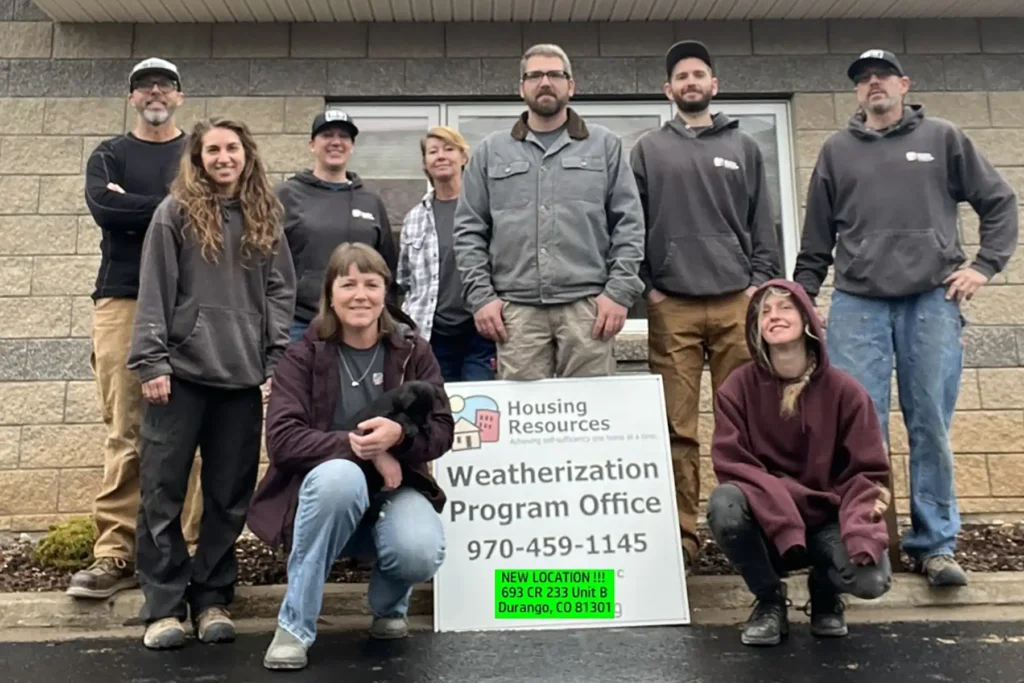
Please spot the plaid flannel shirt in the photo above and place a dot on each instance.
(419, 264)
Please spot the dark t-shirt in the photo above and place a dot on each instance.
(451, 314)
(366, 367)
(547, 137)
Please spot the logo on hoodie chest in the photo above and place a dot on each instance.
(922, 157)
(726, 163)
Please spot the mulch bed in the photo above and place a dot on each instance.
(981, 548)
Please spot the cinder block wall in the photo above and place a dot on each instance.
(62, 89)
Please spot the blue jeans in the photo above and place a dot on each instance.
(465, 357)
(298, 329)
(923, 334)
(407, 540)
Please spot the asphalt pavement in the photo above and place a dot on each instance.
(975, 652)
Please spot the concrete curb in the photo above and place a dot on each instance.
(56, 610)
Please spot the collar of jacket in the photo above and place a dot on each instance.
(576, 126)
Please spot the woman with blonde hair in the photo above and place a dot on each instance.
(802, 471)
(357, 414)
(427, 272)
(216, 299)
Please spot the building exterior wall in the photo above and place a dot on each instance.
(63, 88)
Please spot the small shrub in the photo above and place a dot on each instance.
(67, 546)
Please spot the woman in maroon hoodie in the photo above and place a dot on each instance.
(342, 483)
(802, 470)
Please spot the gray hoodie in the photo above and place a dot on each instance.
(223, 324)
(318, 217)
(707, 209)
(886, 201)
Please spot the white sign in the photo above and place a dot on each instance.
(550, 477)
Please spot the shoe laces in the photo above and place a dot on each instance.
(107, 564)
(762, 608)
(835, 605)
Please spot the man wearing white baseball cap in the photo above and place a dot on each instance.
(126, 178)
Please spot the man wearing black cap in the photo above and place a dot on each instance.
(326, 206)
(126, 178)
(711, 241)
(884, 194)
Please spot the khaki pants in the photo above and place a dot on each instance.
(117, 505)
(553, 341)
(680, 332)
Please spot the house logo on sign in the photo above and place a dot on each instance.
(477, 421)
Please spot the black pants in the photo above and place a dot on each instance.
(226, 426)
(756, 558)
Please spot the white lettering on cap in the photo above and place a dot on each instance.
(873, 54)
(335, 115)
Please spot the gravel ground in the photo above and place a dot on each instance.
(982, 548)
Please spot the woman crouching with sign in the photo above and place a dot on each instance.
(802, 467)
(357, 411)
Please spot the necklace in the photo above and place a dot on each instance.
(357, 382)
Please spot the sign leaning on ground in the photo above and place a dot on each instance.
(561, 508)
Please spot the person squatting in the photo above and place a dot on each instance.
(220, 295)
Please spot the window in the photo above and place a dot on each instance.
(387, 153)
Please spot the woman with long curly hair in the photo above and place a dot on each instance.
(216, 299)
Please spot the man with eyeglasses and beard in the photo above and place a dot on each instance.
(882, 207)
(711, 242)
(549, 234)
(126, 178)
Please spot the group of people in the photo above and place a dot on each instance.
(218, 293)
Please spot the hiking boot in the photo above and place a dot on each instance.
(768, 623)
(825, 608)
(286, 652)
(388, 628)
(215, 626)
(165, 634)
(106, 576)
(942, 570)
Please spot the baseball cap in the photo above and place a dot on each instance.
(154, 65)
(874, 56)
(684, 49)
(334, 117)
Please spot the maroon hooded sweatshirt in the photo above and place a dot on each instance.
(826, 461)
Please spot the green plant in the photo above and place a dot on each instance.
(68, 545)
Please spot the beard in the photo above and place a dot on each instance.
(693, 106)
(549, 107)
(882, 106)
(156, 117)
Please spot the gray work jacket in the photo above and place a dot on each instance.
(536, 226)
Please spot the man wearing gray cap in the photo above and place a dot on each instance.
(710, 242)
(884, 194)
(126, 179)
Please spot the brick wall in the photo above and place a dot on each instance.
(62, 89)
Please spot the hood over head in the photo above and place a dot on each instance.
(810, 315)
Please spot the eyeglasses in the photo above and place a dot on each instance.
(882, 72)
(552, 75)
(163, 84)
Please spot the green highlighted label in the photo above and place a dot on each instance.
(554, 593)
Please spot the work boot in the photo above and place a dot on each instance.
(825, 608)
(106, 576)
(769, 622)
(165, 634)
(286, 652)
(215, 626)
(942, 570)
(388, 628)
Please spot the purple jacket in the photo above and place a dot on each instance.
(299, 414)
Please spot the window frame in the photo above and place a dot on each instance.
(448, 113)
